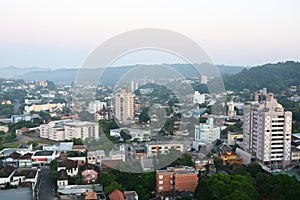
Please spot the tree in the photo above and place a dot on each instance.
(144, 116)
(125, 135)
(112, 186)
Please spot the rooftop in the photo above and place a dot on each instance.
(43, 153)
(69, 164)
(116, 195)
(6, 171)
(28, 173)
(62, 175)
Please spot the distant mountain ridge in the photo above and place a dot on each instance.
(111, 75)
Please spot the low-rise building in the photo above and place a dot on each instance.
(230, 157)
(43, 157)
(71, 167)
(95, 157)
(62, 178)
(153, 148)
(89, 176)
(232, 138)
(26, 175)
(25, 160)
(6, 174)
(176, 179)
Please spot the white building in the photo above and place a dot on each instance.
(267, 132)
(43, 107)
(68, 129)
(207, 132)
(124, 106)
(95, 106)
(80, 129)
(198, 98)
(231, 112)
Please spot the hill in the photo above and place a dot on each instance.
(274, 77)
(113, 74)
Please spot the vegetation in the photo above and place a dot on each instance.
(275, 77)
(246, 182)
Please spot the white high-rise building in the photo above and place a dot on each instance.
(207, 132)
(198, 98)
(124, 106)
(203, 79)
(267, 133)
(231, 112)
(97, 105)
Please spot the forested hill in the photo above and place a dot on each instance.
(274, 77)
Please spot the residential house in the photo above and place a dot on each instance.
(26, 175)
(12, 159)
(6, 174)
(71, 167)
(25, 160)
(89, 176)
(116, 195)
(62, 178)
(95, 157)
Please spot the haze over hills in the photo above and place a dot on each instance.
(275, 77)
(67, 75)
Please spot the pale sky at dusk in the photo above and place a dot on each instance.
(60, 33)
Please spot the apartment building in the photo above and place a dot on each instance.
(68, 129)
(124, 106)
(207, 132)
(176, 179)
(267, 132)
(153, 148)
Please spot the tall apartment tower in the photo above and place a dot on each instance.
(124, 106)
(267, 132)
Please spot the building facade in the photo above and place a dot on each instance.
(179, 179)
(207, 132)
(124, 106)
(267, 132)
(69, 129)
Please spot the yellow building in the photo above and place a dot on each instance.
(4, 128)
(230, 157)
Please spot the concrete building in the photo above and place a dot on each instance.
(124, 106)
(231, 112)
(80, 129)
(207, 132)
(176, 179)
(233, 137)
(43, 107)
(43, 157)
(69, 129)
(198, 98)
(153, 148)
(95, 106)
(267, 132)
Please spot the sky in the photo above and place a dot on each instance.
(62, 33)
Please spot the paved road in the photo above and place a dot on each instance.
(46, 188)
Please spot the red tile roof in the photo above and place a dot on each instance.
(116, 195)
